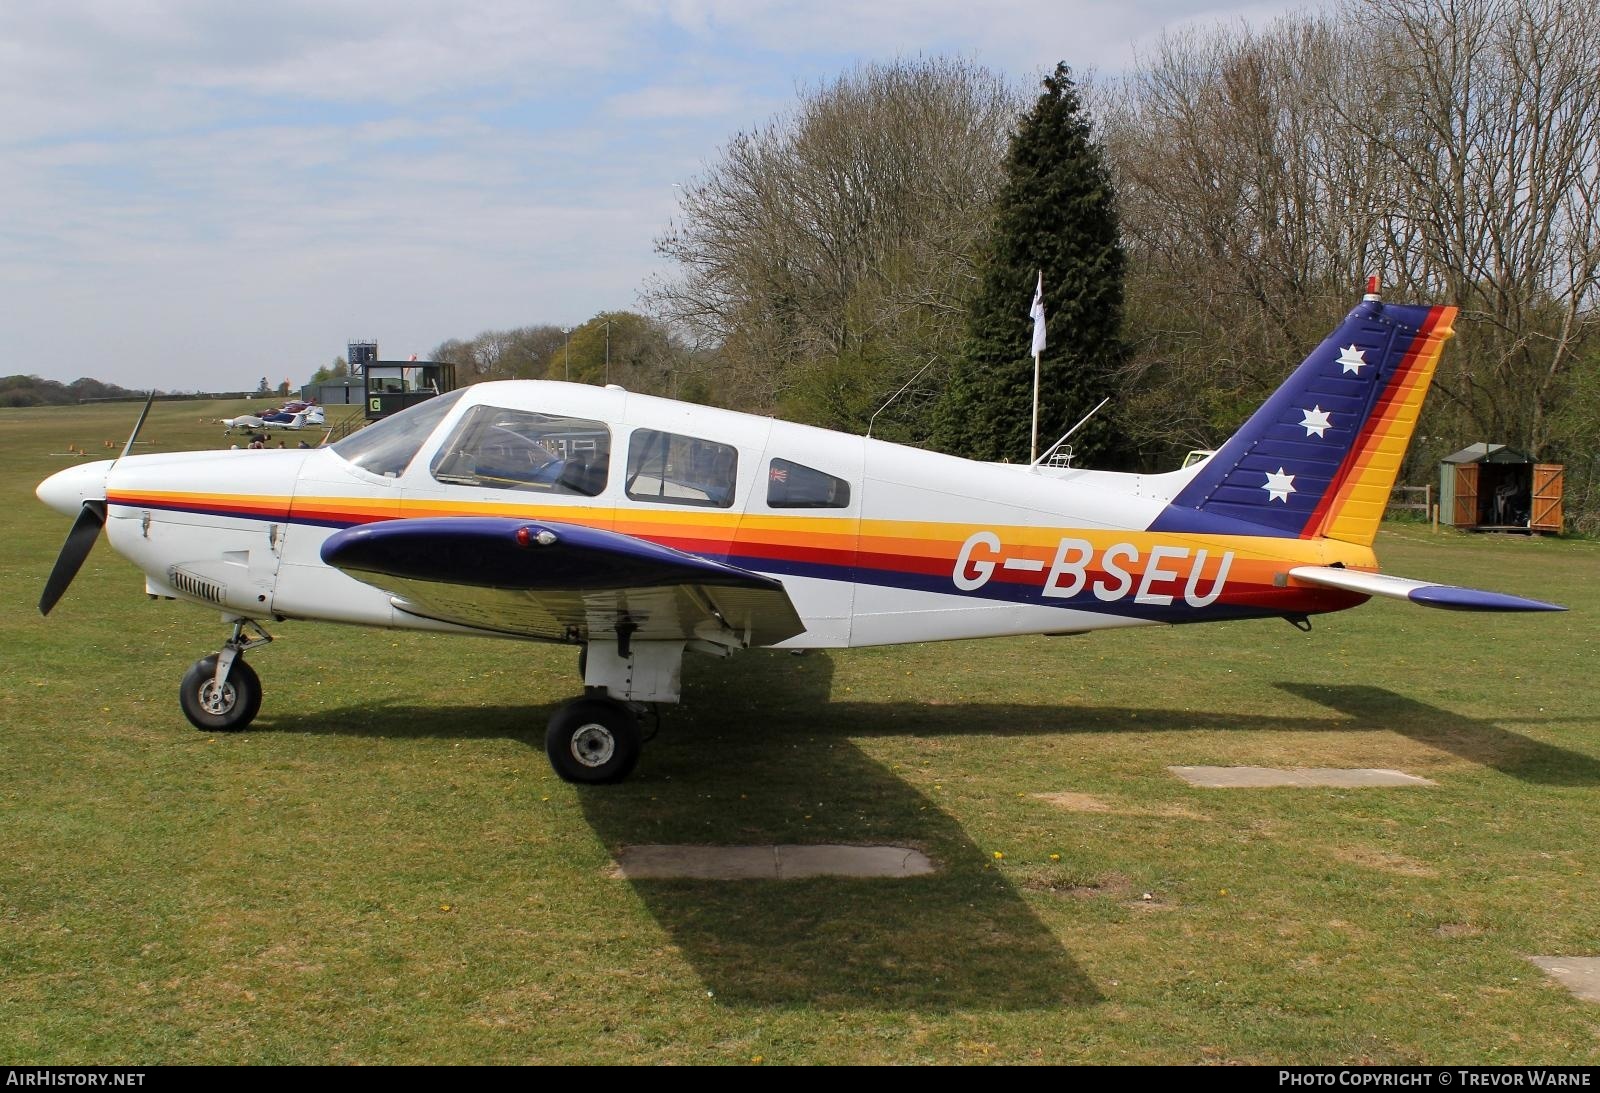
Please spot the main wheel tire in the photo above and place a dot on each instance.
(230, 711)
(593, 741)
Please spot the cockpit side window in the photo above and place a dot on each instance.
(525, 450)
(795, 486)
(670, 469)
(386, 447)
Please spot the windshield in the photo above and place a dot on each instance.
(386, 447)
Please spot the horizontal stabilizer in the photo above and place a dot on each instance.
(1446, 596)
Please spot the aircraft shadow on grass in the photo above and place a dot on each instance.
(1477, 740)
(1355, 709)
(962, 938)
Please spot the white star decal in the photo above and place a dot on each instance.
(1279, 486)
(1316, 421)
(1353, 359)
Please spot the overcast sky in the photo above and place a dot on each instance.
(197, 194)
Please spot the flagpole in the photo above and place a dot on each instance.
(1033, 447)
(1036, 313)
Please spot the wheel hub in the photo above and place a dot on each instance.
(216, 700)
(593, 745)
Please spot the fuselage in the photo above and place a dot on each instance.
(875, 543)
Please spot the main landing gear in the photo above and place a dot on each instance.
(596, 739)
(221, 693)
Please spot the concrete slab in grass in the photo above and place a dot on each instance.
(1257, 777)
(784, 862)
(852, 861)
(1579, 974)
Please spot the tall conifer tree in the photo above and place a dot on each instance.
(1056, 213)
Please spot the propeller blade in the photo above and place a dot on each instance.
(137, 425)
(80, 540)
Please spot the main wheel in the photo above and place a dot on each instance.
(227, 709)
(593, 740)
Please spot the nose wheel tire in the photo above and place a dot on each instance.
(229, 708)
(593, 741)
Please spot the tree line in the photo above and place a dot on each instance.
(33, 391)
(866, 258)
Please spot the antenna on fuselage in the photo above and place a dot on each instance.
(1052, 449)
(874, 418)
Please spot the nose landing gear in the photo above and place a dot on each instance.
(221, 693)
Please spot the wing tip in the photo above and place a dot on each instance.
(1423, 593)
(1455, 598)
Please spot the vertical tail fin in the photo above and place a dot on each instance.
(1320, 457)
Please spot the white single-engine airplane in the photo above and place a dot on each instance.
(639, 528)
(312, 416)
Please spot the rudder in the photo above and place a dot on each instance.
(1321, 455)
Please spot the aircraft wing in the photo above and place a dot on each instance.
(1447, 596)
(564, 582)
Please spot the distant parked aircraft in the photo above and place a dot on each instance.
(286, 418)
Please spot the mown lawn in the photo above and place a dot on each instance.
(385, 869)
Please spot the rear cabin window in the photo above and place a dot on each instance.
(796, 486)
(681, 470)
(386, 447)
(524, 450)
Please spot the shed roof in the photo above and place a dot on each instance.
(1487, 453)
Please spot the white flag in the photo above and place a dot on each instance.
(1037, 312)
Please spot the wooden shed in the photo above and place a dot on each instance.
(1490, 487)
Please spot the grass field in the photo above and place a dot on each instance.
(385, 869)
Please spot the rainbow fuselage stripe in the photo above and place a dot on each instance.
(1128, 575)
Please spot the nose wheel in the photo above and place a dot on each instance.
(226, 707)
(593, 740)
(221, 693)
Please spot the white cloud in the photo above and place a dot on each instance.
(1019, 36)
(652, 103)
(200, 193)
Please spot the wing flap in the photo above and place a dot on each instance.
(1446, 596)
(559, 581)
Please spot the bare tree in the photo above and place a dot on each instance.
(830, 254)
(1249, 212)
(521, 353)
(1495, 142)
(1453, 146)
